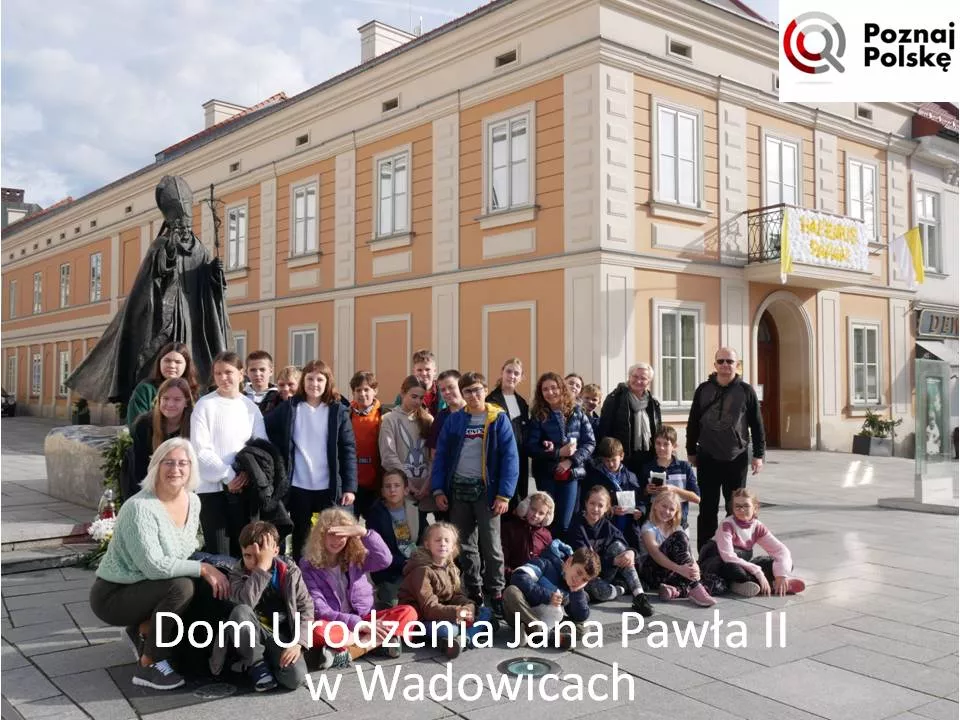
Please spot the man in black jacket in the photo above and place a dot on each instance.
(724, 410)
(631, 414)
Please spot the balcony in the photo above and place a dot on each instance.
(826, 250)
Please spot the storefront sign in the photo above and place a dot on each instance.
(937, 324)
(815, 238)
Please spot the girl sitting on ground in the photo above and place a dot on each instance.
(728, 557)
(338, 557)
(668, 564)
(524, 533)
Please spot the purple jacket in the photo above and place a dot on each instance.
(322, 583)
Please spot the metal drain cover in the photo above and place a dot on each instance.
(530, 666)
(215, 691)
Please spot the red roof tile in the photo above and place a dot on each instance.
(272, 100)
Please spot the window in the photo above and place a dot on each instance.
(305, 219)
(678, 156)
(36, 374)
(10, 376)
(864, 113)
(928, 219)
(391, 104)
(64, 285)
(240, 345)
(12, 302)
(679, 342)
(63, 365)
(865, 363)
(509, 166)
(679, 49)
(301, 140)
(782, 172)
(236, 237)
(507, 58)
(862, 193)
(303, 347)
(38, 292)
(393, 205)
(96, 273)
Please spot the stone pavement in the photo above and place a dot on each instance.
(874, 636)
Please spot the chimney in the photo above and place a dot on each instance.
(376, 38)
(216, 111)
(12, 195)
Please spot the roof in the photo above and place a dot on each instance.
(743, 10)
(940, 113)
(40, 212)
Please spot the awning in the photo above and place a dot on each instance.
(946, 350)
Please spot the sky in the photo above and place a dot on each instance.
(90, 91)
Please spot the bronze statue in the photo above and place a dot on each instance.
(178, 295)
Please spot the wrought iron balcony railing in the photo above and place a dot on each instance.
(764, 227)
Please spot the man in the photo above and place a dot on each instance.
(724, 409)
(631, 414)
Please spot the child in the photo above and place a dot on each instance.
(338, 556)
(474, 476)
(221, 424)
(506, 396)
(449, 388)
(607, 470)
(263, 586)
(679, 473)
(593, 529)
(524, 532)
(728, 556)
(431, 585)
(403, 443)
(259, 388)
(590, 398)
(425, 367)
(543, 588)
(388, 516)
(366, 418)
(575, 383)
(288, 380)
(667, 562)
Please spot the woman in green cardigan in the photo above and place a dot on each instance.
(146, 569)
(173, 361)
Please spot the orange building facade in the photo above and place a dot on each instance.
(575, 183)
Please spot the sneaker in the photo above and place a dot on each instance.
(341, 659)
(621, 590)
(159, 676)
(745, 589)
(699, 596)
(135, 640)
(392, 651)
(795, 585)
(452, 648)
(668, 593)
(563, 641)
(642, 605)
(261, 676)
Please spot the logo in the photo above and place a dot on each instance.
(814, 42)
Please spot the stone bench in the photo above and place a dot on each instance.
(74, 454)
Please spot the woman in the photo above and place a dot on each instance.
(146, 569)
(560, 440)
(506, 396)
(173, 361)
(631, 414)
(314, 432)
(169, 418)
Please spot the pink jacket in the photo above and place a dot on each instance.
(733, 535)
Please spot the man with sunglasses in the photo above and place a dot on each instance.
(724, 410)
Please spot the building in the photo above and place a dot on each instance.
(13, 208)
(583, 184)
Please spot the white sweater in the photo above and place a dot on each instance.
(219, 428)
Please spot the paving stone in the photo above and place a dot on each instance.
(745, 704)
(8, 711)
(914, 676)
(38, 616)
(948, 662)
(68, 662)
(650, 668)
(78, 573)
(839, 694)
(49, 599)
(58, 707)
(903, 633)
(47, 587)
(31, 578)
(92, 627)
(12, 658)
(26, 684)
(97, 694)
(947, 626)
(877, 643)
(938, 710)
(46, 638)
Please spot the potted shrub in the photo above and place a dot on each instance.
(875, 436)
(81, 412)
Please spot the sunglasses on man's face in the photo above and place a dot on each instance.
(725, 361)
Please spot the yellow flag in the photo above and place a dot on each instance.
(907, 251)
(786, 258)
(915, 246)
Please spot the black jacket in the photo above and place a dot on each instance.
(268, 481)
(616, 421)
(341, 446)
(520, 424)
(133, 469)
(720, 419)
(380, 520)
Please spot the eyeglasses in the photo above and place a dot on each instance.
(171, 464)
(473, 390)
(726, 361)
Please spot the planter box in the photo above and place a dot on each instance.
(866, 445)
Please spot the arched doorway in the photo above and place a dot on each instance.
(783, 352)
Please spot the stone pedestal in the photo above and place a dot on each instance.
(74, 454)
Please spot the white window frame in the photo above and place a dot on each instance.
(11, 371)
(36, 374)
(691, 113)
(65, 285)
(780, 141)
(12, 299)
(38, 292)
(311, 241)
(853, 325)
(240, 345)
(855, 164)
(527, 113)
(677, 307)
(932, 257)
(304, 331)
(63, 370)
(237, 246)
(96, 277)
(404, 152)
